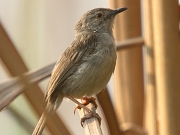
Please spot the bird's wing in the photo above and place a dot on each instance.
(82, 47)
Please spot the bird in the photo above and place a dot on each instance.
(86, 66)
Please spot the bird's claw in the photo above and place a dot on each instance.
(86, 101)
(90, 115)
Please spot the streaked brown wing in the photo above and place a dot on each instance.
(82, 46)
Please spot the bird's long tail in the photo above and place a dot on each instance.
(41, 123)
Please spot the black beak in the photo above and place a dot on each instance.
(115, 12)
(119, 10)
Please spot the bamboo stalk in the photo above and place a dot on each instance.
(167, 64)
(151, 123)
(129, 100)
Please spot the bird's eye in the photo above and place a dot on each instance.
(99, 15)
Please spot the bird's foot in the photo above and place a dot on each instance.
(90, 115)
(86, 101)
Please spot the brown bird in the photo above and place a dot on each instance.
(87, 64)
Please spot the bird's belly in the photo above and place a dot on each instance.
(92, 76)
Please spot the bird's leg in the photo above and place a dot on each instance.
(91, 113)
(86, 101)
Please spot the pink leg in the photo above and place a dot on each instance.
(86, 101)
(91, 113)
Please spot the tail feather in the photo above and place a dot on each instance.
(41, 123)
(50, 108)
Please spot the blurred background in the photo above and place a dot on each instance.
(145, 88)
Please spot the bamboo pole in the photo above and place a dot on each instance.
(129, 100)
(167, 64)
(151, 124)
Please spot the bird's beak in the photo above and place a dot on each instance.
(115, 12)
(119, 10)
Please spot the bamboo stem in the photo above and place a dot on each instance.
(151, 123)
(167, 64)
(129, 94)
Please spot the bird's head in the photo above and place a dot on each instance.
(98, 20)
